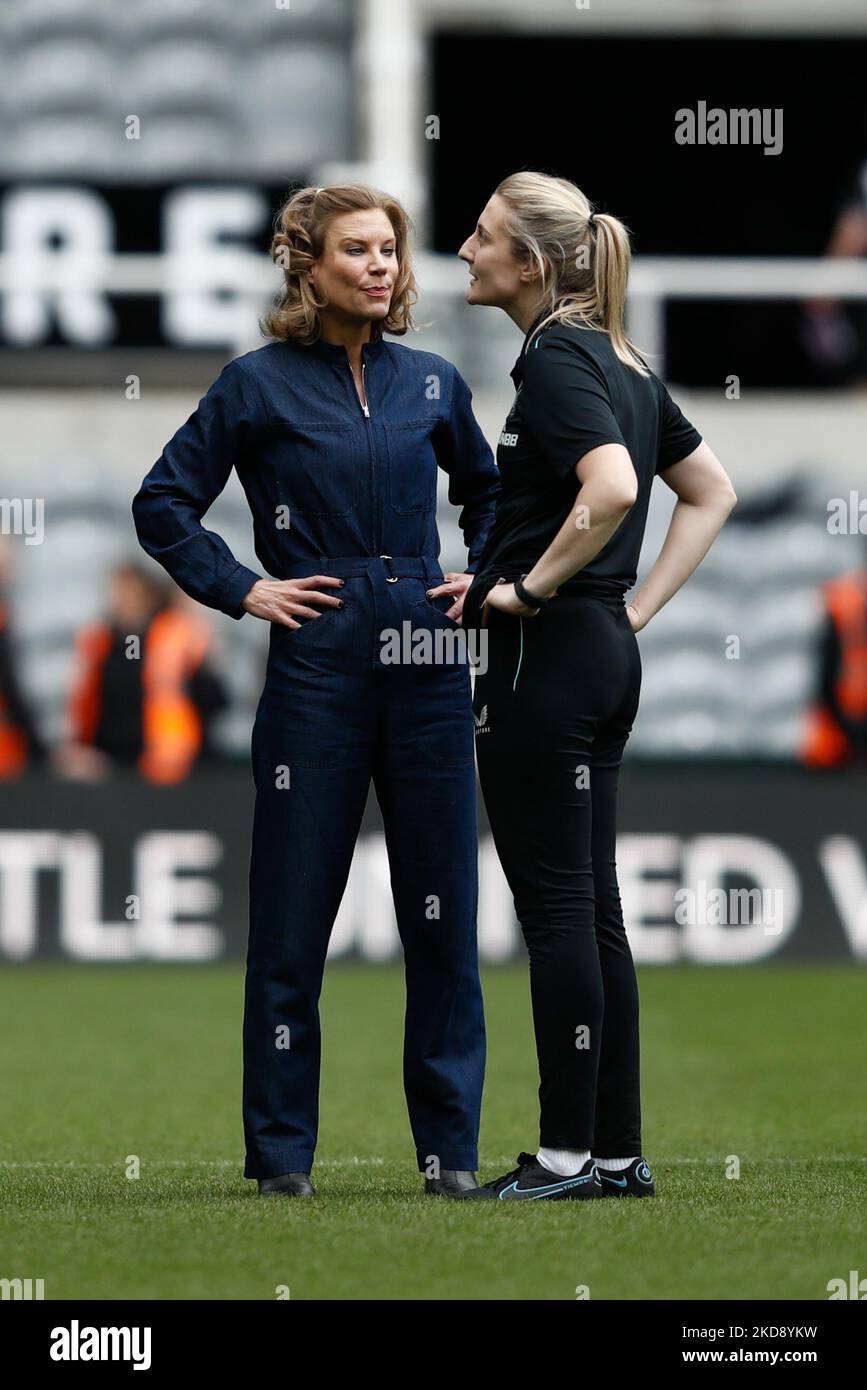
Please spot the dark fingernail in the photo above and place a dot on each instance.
(341, 604)
(342, 583)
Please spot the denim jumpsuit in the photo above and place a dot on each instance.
(337, 489)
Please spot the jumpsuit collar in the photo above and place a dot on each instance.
(336, 352)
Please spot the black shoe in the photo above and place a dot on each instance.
(634, 1181)
(287, 1185)
(452, 1182)
(530, 1182)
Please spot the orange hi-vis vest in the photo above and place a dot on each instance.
(13, 740)
(174, 647)
(825, 744)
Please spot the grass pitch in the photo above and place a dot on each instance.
(765, 1064)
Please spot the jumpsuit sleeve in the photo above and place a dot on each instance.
(474, 479)
(567, 403)
(190, 474)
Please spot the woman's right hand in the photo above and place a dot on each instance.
(284, 600)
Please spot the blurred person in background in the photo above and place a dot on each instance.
(835, 732)
(21, 744)
(589, 429)
(144, 691)
(337, 436)
(835, 334)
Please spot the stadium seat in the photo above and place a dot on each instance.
(62, 74)
(61, 143)
(150, 20)
(26, 23)
(300, 106)
(175, 138)
(183, 74)
(328, 19)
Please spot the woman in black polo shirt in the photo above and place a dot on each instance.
(589, 428)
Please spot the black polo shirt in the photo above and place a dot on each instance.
(572, 394)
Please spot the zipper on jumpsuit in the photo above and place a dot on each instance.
(372, 453)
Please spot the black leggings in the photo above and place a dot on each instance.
(553, 712)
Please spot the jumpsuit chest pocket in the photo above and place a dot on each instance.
(412, 466)
(315, 467)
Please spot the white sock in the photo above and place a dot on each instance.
(615, 1165)
(564, 1162)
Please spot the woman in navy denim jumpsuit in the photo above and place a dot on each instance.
(337, 442)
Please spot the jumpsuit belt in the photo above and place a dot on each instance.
(390, 567)
(381, 571)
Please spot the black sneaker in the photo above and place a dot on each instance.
(530, 1182)
(634, 1181)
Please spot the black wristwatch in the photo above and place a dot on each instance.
(528, 599)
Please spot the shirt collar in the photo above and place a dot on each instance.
(517, 372)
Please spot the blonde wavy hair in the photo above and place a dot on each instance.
(582, 256)
(299, 239)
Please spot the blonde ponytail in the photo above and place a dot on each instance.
(582, 256)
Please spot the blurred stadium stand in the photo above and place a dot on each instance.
(759, 582)
(228, 93)
(214, 79)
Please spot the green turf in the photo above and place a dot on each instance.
(102, 1062)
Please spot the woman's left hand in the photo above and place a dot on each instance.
(457, 585)
(635, 618)
(503, 596)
